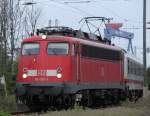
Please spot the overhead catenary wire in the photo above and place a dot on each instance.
(73, 7)
(79, 2)
(116, 14)
(63, 8)
(81, 12)
(68, 2)
(111, 11)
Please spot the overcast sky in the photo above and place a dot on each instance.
(128, 12)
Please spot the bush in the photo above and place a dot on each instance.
(7, 104)
(7, 72)
(148, 75)
(2, 113)
(148, 86)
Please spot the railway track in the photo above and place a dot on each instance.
(21, 109)
(21, 112)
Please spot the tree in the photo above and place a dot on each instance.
(3, 33)
(16, 13)
(16, 22)
(32, 15)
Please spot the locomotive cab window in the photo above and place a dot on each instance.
(30, 48)
(57, 48)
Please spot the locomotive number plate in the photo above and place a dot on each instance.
(41, 79)
(41, 72)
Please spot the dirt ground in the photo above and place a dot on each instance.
(127, 109)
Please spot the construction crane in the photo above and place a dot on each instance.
(113, 30)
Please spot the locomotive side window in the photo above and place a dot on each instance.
(100, 53)
(57, 48)
(30, 48)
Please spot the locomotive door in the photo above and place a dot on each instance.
(76, 62)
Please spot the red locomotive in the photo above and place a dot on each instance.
(60, 66)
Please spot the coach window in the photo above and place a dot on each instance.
(142, 71)
(57, 48)
(139, 70)
(129, 67)
(30, 48)
(134, 68)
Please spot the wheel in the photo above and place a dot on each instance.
(58, 103)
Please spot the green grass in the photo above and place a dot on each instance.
(7, 104)
(119, 111)
(2, 113)
(100, 112)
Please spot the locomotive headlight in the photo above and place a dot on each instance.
(24, 76)
(59, 75)
(44, 36)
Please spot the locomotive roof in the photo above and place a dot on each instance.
(72, 39)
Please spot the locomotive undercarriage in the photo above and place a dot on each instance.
(105, 97)
(39, 98)
(86, 98)
(40, 102)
